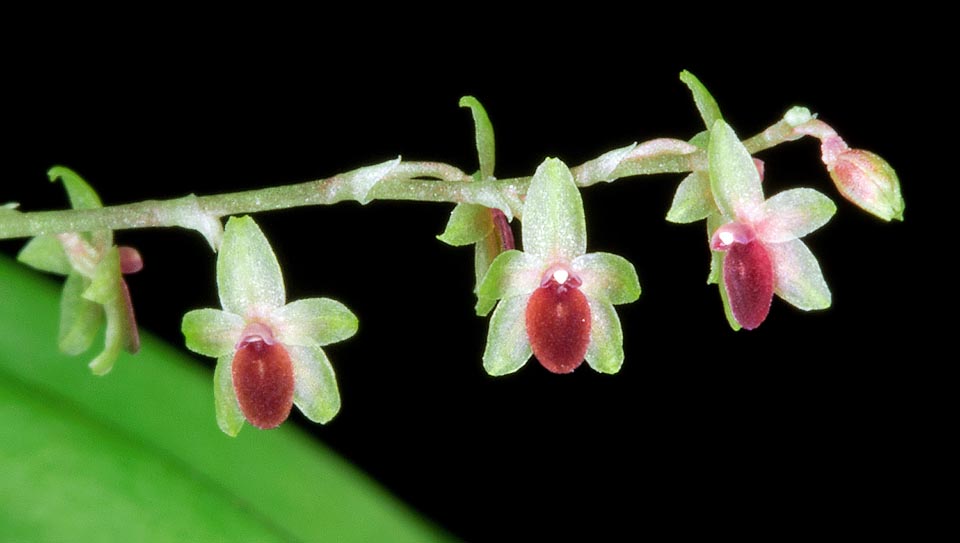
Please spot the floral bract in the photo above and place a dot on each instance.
(556, 300)
(764, 254)
(269, 354)
(95, 289)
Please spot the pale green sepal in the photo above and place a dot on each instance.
(508, 347)
(793, 214)
(725, 300)
(706, 105)
(485, 252)
(80, 319)
(513, 273)
(248, 274)
(469, 223)
(693, 200)
(605, 350)
(314, 322)
(734, 179)
(315, 390)
(486, 147)
(211, 332)
(714, 221)
(106, 289)
(554, 227)
(602, 167)
(45, 253)
(362, 180)
(701, 140)
(798, 278)
(607, 277)
(230, 418)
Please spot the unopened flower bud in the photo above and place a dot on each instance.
(869, 182)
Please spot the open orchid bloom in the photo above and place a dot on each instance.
(555, 300)
(95, 289)
(761, 238)
(268, 352)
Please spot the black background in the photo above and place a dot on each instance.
(814, 420)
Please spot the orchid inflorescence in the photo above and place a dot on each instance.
(549, 297)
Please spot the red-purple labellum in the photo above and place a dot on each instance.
(558, 326)
(748, 278)
(263, 381)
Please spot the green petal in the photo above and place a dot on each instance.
(248, 274)
(315, 389)
(484, 134)
(605, 351)
(706, 105)
(607, 277)
(212, 332)
(693, 200)
(314, 321)
(513, 273)
(553, 223)
(229, 417)
(106, 289)
(799, 280)
(793, 214)
(508, 348)
(734, 179)
(485, 252)
(469, 223)
(45, 253)
(80, 319)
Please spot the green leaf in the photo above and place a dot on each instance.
(734, 179)
(248, 274)
(484, 135)
(139, 457)
(554, 227)
(607, 277)
(706, 105)
(45, 253)
(508, 348)
(693, 200)
(212, 332)
(799, 280)
(469, 223)
(513, 273)
(230, 418)
(314, 322)
(80, 319)
(315, 386)
(794, 213)
(605, 350)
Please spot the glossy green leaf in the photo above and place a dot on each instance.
(211, 332)
(693, 200)
(706, 105)
(80, 319)
(469, 223)
(799, 280)
(139, 457)
(486, 146)
(794, 213)
(607, 277)
(513, 273)
(315, 386)
(734, 179)
(554, 227)
(47, 254)
(605, 350)
(508, 348)
(248, 274)
(314, 322)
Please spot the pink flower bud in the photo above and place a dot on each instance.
(869, 182)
